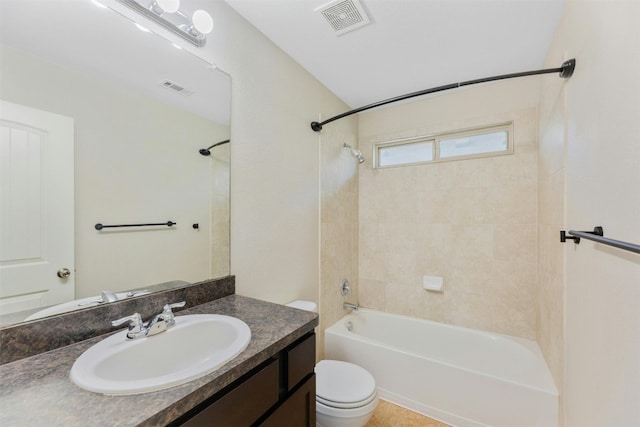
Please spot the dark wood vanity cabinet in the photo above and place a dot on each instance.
(279, 393)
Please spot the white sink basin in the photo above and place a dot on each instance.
(197, 345)
(78, 304)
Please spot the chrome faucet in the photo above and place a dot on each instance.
(349, 306)
(108, 296)
(105, 296)
(158, 323)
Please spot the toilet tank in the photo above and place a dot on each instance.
(304, 305)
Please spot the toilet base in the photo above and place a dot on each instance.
(344, 422)
(335, 417)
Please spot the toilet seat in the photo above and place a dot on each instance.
(344, 385)
(349, 405)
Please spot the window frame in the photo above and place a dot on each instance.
(435, 139)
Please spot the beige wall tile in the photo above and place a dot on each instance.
(551, 209)
(470, 310)
(433, 305)
(339, 224)
(372, 294)
(402, 299)
(472, 222)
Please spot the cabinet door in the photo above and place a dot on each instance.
(297, 411)
(301, 361)
(243, 405)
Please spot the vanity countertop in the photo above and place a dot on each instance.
(37, 390)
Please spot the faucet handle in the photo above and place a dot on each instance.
(174, 305)
(136, 325)
(135, 322)
(167, 312)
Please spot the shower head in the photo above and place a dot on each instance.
(207, 152)
(355, 153)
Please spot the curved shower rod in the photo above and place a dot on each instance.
(566, 71)
(206, 152)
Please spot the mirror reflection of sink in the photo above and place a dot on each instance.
(80, 303)
(198, 344)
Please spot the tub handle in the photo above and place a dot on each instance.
(345, 288)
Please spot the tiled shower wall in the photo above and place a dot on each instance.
(551, 185)
(339, 222)
(472, 222)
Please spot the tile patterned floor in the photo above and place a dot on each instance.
(390, 415)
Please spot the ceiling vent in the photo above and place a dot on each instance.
(174, 87)
(344, 15)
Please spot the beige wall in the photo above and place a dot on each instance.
(136, 160)
(472, 222)
(275, 177)
(339, 226)
(293, 191)
(590, 173)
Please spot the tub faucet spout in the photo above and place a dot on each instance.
(349, 306)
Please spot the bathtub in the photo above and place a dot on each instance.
(463, 377)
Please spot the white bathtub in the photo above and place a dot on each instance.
(456, 375)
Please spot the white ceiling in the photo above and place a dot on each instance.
(411, 44)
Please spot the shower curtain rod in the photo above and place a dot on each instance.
(206, 152)
(566, 71)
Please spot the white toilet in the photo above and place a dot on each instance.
(346, 393)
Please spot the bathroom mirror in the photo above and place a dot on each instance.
(141, 109)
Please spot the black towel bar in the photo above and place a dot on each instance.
(597, 235)
(99, 226)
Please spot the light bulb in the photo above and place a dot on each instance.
(202, 21)
(169, 6)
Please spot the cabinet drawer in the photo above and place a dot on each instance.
(301, 361)
(243, 405)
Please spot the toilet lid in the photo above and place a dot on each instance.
(343, 384)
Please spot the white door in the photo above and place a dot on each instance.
(36, 208)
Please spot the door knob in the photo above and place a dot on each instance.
(63, 273)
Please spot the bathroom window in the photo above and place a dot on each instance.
(405, 153)
(470, 143)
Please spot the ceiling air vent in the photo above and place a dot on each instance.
(173, 86)
(344, 15)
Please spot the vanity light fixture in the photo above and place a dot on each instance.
(161, 6)
(166, 13)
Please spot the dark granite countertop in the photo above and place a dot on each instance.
(37, 390)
